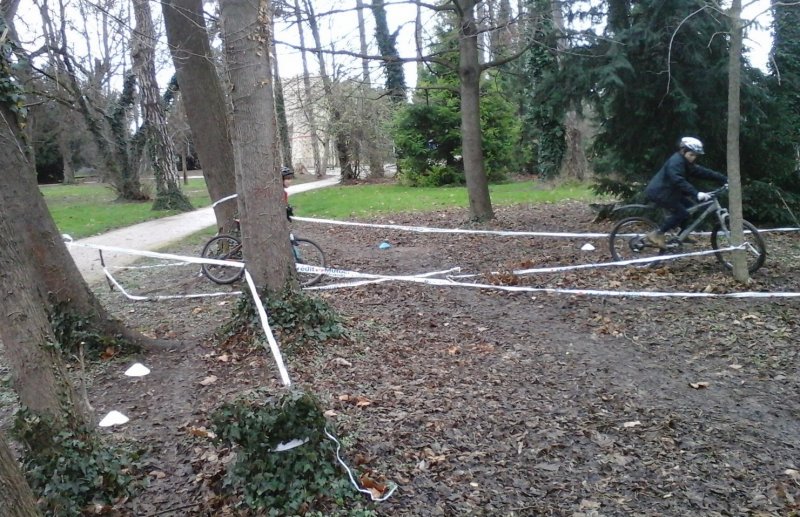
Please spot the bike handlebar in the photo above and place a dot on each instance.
(717, 192)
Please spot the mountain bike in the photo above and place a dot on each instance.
(627, 240)
(229, 247)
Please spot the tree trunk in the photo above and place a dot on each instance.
(38, 376)
(66, 157)
(280, 111)
(16, 498)
(368, 131)
(740, 272)
(246, 33)
(341, 142)
(55, 279)
(469, 70)
(319, 166)
(158, 146)
(204, 101)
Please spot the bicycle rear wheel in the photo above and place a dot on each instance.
(627, 241)
(309, 253)
(755, 249)
(223, 247)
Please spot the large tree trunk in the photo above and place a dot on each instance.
(56, 279)
(38, 376)
(469, 70)
(246, 33)
(311, 117)
(158, 146)
(204, 101)
(16, 498)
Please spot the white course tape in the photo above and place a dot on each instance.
(140, 298)
(352, 478)
(273, 345)
(425, 229)
(504, 233)
(222, 200)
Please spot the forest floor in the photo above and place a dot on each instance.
(477, 401)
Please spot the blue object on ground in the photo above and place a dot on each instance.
(384, 245)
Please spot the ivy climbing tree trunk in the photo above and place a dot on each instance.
(340, 140)
(367, 132)
(280, 111)
(246, 32)
(158, 146)
(204, 101)
(16, 498)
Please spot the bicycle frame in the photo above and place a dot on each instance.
(710, 206)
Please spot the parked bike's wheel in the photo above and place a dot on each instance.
(627, 240)
(223, 247)
(755, 249)
(309, 253)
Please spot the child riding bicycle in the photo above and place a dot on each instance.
(670, 189)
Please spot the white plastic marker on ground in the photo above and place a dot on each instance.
(113, 418)
(137, 370)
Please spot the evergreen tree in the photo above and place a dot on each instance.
(664, 75)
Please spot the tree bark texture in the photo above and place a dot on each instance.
(469, 70)
(16, 498)
(55, 278)
(158, 145)
(38, 375)
(204, 101)
(319, 166)
(734, 120)
(246, 32)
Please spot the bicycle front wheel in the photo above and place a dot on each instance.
(223, 247)
(754, 247)
(627, 241)
(309, 253)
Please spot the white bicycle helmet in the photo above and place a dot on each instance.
(692, 144)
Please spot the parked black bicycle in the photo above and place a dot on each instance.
(229, 247)
(627, 240)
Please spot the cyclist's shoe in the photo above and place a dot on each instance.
(656, 238)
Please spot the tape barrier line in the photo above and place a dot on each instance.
(426, 229)
(503, 233)
(222, 200)
(273, 344)
(139, 298)
(513, 288)
(350, 473)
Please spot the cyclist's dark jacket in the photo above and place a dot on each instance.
(670, 183)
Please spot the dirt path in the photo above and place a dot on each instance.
(482, 402)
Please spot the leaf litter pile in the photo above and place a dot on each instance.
(483, 402)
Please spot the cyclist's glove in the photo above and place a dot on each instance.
(289, 212)
(703, 196)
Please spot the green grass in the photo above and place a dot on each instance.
(90, 209)
(366, 200)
